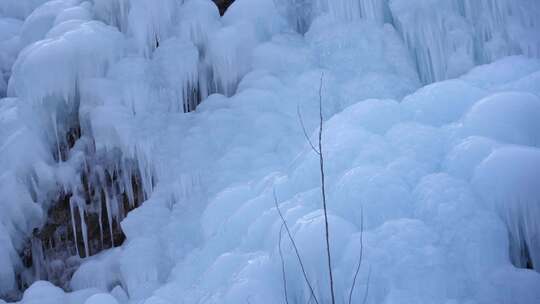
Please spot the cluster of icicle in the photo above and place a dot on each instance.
(94, 191)
(84, 218)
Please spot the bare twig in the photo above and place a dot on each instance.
(323, 193)
(301, 120)
(319, 152)
(360, 255)
(367, 286)
(283, 274)
(294, 247)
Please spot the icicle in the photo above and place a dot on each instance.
(126, 183)
(37, 258)
(84, 232)
(109, 215)
(146, 176)
(204, 80)
(117, 211)
(102, 178)
(100, 211)
(80, 206)
(55, 127)
(73, 224)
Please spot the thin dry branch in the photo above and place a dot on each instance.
(323, 193)
(353, 285)
(283, 274)
(367, 286)
(301, 120)
(298, 257)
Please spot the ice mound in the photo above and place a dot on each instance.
(508, 117)
(63, 55)
(438, 103)
(467, 154)
(42, 19)
(19, 9)
(101, 299)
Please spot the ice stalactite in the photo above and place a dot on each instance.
(74, 226)
(108, 211)
(82, 217)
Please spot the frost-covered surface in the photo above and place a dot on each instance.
(202, 110)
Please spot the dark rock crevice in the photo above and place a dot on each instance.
(223, 5)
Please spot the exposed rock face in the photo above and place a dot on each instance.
(223, 5)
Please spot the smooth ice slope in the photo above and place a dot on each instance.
(203, 112)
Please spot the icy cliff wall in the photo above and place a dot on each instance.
(109, 98)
